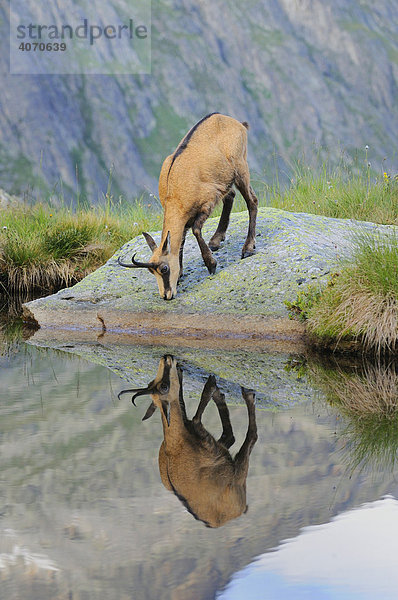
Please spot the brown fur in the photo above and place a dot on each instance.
(192, 181)
(192, 464)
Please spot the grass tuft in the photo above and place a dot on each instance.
(66, 239)
(340, 193)
(42, 248)
(361, 302)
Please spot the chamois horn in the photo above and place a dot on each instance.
(138, 392)
(135, 264)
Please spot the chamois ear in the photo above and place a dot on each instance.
(166, 244)
(150, 241)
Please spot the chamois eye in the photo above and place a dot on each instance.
(163, 388)
(164, 269)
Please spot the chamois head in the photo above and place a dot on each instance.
(163, 265)
(162, 389)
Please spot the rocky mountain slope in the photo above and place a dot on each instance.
(305, 74)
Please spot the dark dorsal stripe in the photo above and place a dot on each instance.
(184, 143)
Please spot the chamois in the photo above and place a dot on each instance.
(208, 162)
(192, 464)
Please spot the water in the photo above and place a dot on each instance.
(86, 514)
(353, 556)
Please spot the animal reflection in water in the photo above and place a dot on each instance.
(194, 465)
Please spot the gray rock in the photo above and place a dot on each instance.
(244, 298)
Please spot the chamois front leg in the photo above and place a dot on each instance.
(212, 391)
(208, 390)
(181, 254)
(219, 235)
(208, 258)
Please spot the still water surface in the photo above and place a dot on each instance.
(88, 511)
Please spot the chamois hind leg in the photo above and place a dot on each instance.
(208, 258)
(227, 438)
(242, 458)
(243, 185)
(219, 235)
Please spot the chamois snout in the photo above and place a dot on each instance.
(167, 277)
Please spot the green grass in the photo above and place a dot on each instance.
(44, 248)
(343, 192)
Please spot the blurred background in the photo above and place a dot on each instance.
(316, 80)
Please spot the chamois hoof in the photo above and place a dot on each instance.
(246, 253)
(215, 243)
(212, 268)
(210, 385)
(227, 440)
(248, 395)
